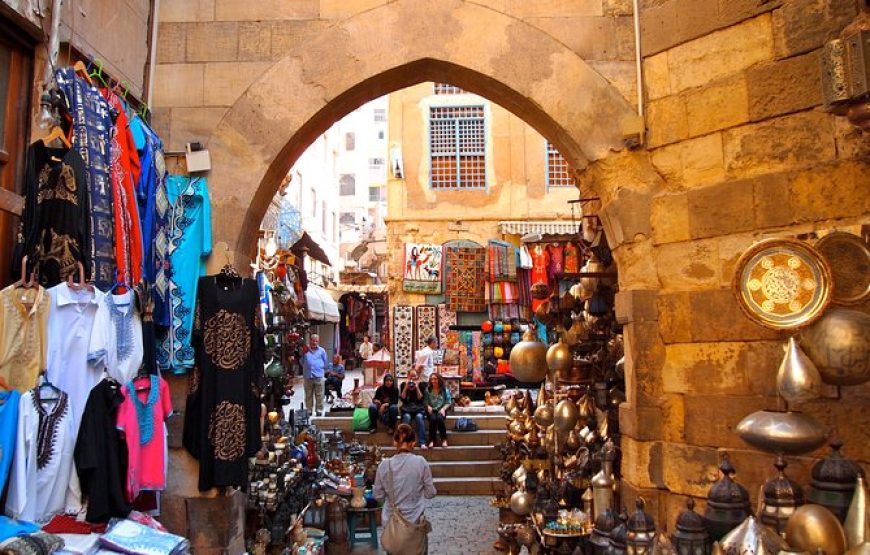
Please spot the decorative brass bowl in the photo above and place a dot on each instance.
(849, 259)
(782, 283)
(791, 433)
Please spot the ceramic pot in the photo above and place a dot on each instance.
(792, 433)
(813, 527)
(798, 379)
(839, 344)
(529, 359)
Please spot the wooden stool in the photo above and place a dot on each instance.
(367, 534)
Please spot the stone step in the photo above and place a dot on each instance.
(465, 469)
(453, 453)
(468, 486)
(480, 437)
(483, 421)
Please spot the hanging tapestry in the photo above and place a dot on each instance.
(425, 324)
(422, 268)
(502, 261)
(403, 337)
(465, 278)
(446, 318)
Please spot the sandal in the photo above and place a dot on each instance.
(431, 445)
(444, 443)
(423, 447)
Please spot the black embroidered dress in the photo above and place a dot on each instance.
(222, 419)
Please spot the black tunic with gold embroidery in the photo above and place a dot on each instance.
(54, 227)
(222, 420)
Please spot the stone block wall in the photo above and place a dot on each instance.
(740, 150)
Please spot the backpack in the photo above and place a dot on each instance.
(465, 425)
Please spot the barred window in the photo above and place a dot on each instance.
(447, 88)
(457, 147)
(380, 114)
(347, 185)
(558, 170)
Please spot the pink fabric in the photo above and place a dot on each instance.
(146, 469)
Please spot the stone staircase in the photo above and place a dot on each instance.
(470, 466)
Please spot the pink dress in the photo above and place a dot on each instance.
(142, 421)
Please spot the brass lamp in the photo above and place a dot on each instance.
(691, 536)
(641, 531)
(833, 481)
(781, 497)
(727, 503)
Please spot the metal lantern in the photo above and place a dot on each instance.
(833, 481)
(641, 531)
(618, 536)
(691, 536)
(600, 538)
(781, 497)
(529, 358)
(727, 503)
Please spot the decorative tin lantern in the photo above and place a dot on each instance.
(691, 536)
(727, 503)
(600, 538)
(641, 531)
(781, 497)
(618, 539)
(602, 482)
(833, 481)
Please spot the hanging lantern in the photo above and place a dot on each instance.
(833, 481)
(857, 527)
(727, 503)
(559, 359)
(522, 502)
(752, 538)
(529, 359)
(565, 415)
(781, 497)
(602, 481)
(600, 538)
(813, 527)
(691, 536)
(798, 378)
(641, 531)
(618, 536)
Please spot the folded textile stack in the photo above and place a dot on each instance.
(133, 538)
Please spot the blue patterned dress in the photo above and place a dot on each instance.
(188, 245)
(92, 125)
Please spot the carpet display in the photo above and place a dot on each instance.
(425, 324)
(422, 268)
(465, 290)
(403, 337)
(446, 318)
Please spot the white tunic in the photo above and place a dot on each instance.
(81, 343)
(37, 494)
(124, 369)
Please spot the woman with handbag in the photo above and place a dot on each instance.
(413, 407)
(438, 402)
(405, 481)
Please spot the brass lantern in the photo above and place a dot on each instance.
(600, 538)
(727, 503)
(618, 536)
(833, 481)
(529, 358)
(641, 531)
(691, 536)
(781, 497)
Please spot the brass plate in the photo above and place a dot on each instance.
(782, 283)
(848, 256)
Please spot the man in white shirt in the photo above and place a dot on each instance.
(424, 361)
(365, 349)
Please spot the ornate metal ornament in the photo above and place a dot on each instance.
(752, 538)
(782, 283)
(791, 433)
(848, 256)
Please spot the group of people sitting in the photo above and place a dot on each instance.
(413, 402)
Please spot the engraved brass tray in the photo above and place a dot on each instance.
(782, 283)
(848, 256)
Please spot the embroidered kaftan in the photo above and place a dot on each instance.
(142, 419)
(189, 245)
(23, 335)
(127, 327)
(42, 482)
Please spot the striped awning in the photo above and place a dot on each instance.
(552, 227)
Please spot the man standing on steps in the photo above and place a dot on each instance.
(314, 363)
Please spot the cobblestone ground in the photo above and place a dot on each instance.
(460, 526)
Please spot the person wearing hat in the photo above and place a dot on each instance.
(385, 405)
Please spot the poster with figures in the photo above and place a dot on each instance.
(423, 268)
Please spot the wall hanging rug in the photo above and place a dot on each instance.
(422, 268)
(425, 324)
(446, 318)
(502, 261)
(403, 337)
(465, 285)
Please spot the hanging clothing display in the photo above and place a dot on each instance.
(23, 335)
(127, 327)
(540, 264)
(189, 243)
(572, 258)
(91, 128)
(557, 259)
(141, 417)
(101, 454)
(81, 342)
(222, 419)
(54, 232)
(152, 178)
(42, 482)
(9, 401)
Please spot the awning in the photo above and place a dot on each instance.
(368, 289)
(543, 227)
(321, 307)
(314, 250)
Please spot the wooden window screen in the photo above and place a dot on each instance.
(558, 170)
(457, 147)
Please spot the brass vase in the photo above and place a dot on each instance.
(839, 344)
(798, 379)
(813, 527)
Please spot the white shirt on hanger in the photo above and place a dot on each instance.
(37, 494)
(81, 343)
(125, 369)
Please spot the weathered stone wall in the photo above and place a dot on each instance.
(740, 150)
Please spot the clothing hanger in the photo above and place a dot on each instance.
(82, 284)
(26, 282)
(142, 375)
(119, 284)
(56, 134)
(51, 386)
(80, 68)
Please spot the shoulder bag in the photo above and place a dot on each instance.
(401, 536)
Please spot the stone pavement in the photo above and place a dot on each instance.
(460, 526)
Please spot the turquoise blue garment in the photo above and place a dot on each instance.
(10, 527)
(189, 243)
(8, 428)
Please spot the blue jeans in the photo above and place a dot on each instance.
(420, 421)
(388, 417)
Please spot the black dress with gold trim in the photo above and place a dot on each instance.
(222, 419)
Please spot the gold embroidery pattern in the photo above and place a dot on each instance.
(227, 339)
(65, 188)
(193, 380)
(60, 250)
(226, 431)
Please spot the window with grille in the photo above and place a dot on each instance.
(349, 141)
(380, 114)
(447, 88)
(558, 170)
(347, 185)
(347, 218)
(457, 147)
(375, 194)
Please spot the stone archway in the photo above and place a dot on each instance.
(384, 49)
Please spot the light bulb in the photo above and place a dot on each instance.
(45, 117)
